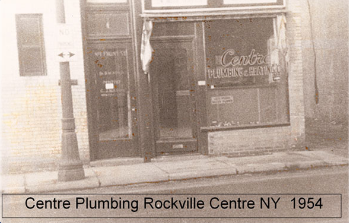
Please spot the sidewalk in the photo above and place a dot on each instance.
(170, 169)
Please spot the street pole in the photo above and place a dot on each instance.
(70, 166)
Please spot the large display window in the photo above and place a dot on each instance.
(246, 73)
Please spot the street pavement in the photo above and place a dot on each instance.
(164, 169)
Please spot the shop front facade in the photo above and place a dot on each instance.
(224, 77)
(182, 77)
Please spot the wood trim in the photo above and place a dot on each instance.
(272, 85)
(201, 90)
(134, 92)
(108, 37)
(95, 147)
(184, 38)
(188, 43)
(201, 16)
(107, 6)
(92, 140)
(119, 39)
(144, 100)
(177, 140)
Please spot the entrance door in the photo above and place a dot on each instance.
(172, 76)
(113, 105)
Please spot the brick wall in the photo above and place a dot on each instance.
(31, 106)
(263, 140)
(329, 36)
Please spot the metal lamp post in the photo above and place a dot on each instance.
(70, 166)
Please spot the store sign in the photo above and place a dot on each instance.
(188, 6)
(237, 2)
(230, 65)
(222, 100)
(107, 1)
(65, 51)
(174, 3)
(177, 146)
(65, 37)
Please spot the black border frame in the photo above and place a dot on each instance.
(286, 194)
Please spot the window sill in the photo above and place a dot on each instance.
(271, 85)
(237, 127)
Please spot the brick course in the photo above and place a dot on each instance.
(329, 36)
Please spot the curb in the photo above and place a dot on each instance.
(95, 180)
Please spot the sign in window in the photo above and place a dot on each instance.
(246, 73)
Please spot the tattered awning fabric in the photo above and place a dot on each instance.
(281, 45)
(146, 49)
(281, 35)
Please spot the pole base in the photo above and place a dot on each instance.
(71, 172)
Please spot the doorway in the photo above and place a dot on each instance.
(173, 89)
(112, 88)
(110, 76)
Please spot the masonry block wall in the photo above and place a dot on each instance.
(262, 140)
(325, 31)
(31, 105)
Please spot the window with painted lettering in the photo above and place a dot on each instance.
(30, 43)
(246, 71)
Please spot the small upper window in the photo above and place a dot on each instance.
(30, 41)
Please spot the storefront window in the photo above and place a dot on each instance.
(246, 73)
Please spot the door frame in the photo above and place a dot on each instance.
(133, 72)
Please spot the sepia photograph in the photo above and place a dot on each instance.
(174, 111)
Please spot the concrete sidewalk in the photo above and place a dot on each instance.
(169, 169)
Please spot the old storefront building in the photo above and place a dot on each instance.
(154, 78)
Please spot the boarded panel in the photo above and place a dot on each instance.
(173, 29)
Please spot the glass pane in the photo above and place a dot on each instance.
(32, 61)
(246, 72)
(112, 85)
(29, 33)
(108, 24)
(173, 92)
(237, 52)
